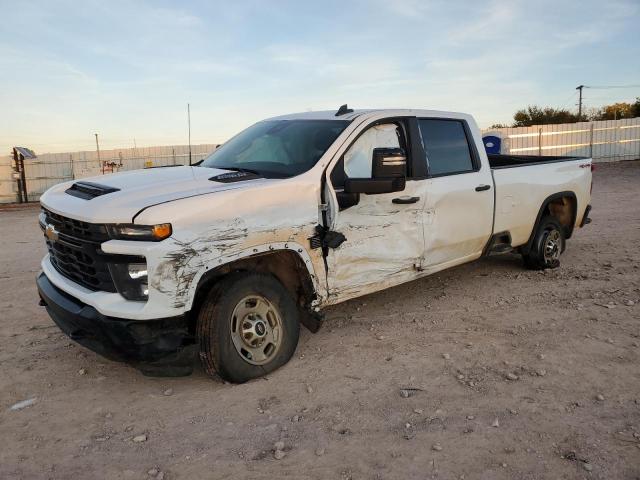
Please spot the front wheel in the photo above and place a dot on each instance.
(548, 244)
(247, 327)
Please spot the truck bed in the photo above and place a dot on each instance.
(519, 192)
(509, 161)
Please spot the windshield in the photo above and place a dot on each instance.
(277, 148)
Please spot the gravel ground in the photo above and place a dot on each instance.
(485, 371)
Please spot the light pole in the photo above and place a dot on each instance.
(189, 124)
(580, 87)
(98, 150)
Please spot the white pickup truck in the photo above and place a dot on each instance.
(224, 260)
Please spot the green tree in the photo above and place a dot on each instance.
(534, 115)
(616, 111)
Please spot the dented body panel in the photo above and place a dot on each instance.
(386, 243)
(210, 231)
(383, 241)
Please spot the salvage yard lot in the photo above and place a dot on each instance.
(485, 371)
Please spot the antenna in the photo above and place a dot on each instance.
(343, 110)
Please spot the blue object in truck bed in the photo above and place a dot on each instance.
(492, 143)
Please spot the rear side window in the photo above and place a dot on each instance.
(446, 146)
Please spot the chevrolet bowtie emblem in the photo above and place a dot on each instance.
(51, 233)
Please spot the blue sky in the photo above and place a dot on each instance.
(126, 69)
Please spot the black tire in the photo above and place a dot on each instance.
(548, 244)
(217, 328)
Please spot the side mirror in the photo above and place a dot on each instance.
(388, 173)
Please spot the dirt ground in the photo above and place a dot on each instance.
(569, 339)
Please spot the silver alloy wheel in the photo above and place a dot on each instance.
(256, 329)
(552, 246)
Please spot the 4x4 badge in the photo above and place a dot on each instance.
(51, 233)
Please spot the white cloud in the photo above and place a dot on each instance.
(128, 68)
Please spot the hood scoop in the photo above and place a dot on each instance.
(230, 177)
(89, 190)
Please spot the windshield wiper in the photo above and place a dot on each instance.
(239, 169)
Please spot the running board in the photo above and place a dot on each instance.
(499, 243)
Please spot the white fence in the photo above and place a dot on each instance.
(604, 141)
(51, 168)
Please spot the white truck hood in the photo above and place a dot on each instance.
(137, 190)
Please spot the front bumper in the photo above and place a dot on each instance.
(162, 347)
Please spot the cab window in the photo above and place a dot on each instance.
(446, 146)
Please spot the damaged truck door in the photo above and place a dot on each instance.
(379, 211)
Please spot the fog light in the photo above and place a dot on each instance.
(137, 270)
(131, 280)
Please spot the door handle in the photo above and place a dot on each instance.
(405, 200)
(482, 188)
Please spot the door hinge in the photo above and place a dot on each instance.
(326, 238)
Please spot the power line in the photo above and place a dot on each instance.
(569, 98)
(611, 86)
(599, 87)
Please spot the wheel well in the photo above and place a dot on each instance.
(564, 209)
(285, 265)
(563, 206)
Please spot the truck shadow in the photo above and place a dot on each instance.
(495, 267)
(408, 296)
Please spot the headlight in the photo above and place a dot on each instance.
(149, 233)
(131, 280)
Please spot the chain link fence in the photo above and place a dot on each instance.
(51, 168)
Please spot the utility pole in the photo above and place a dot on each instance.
(189, 123)
(98, 150)
(580, 87)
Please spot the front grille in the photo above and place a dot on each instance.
(76, 228)
(76, 254)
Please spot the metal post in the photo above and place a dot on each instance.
(580, 87)
(540, 142)
(16, 168)
(614, 144)
(591, 141)
(22, 182)
(98, 150)
(19, 167)
(189, 123)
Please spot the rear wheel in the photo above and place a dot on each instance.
(247, 327)
(548, 244)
